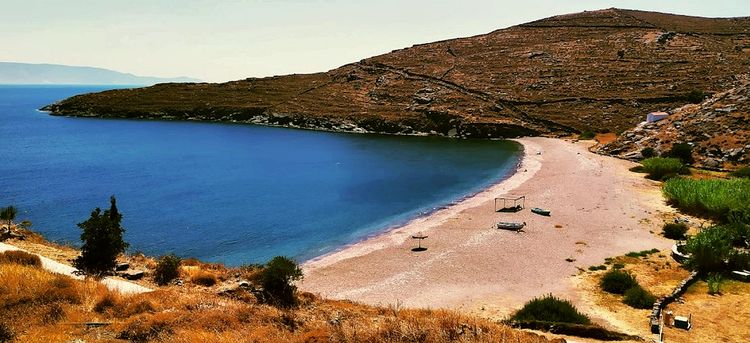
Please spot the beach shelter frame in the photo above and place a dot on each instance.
(518, 203)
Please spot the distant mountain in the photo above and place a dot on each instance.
(27, 73)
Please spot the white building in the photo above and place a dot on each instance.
(656, 116)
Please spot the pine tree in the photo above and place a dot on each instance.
(102, 241)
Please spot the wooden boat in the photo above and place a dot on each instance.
(511, 226)
(540, 211)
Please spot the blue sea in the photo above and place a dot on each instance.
(227, 193)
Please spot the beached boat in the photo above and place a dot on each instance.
(541, 211)
(511, 226)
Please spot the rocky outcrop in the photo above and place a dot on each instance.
(599, 71)
(718, 129)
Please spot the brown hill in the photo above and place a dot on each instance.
(718, 129)
(600, 70)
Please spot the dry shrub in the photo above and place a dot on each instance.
(20, 257)
(64, 289)
(145, 327)
(204, 278)
(22, 284)
(53, 314)
(191, 262)
(134, 307)
(216, 320)
(106, 302)
(317, 335)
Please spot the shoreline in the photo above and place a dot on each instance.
(599, 209)
(525, 168)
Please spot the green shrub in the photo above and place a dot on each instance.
(637, 297)
(659, 168)
(741, 216)
(599, 267)
(550, 309)
(709, 249)
(648, 152)
(20, 257)
(713, 197)
(714, 281)
(739, 260)
(743, 172)
(642, 253)
(617, 281)
(675, 230)
(587, 135)
(167, 269)
(696, 96)
(277, 281)
(618, 266)
(681, 151)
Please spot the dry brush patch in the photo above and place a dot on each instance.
(191, 314)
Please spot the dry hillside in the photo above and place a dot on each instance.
(600, 70)
(718, 129)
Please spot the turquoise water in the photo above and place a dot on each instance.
(222, 192)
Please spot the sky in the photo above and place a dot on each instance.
(221, 40)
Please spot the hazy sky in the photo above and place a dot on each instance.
(227, 40)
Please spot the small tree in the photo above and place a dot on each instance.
(8, 214)
(167, 269)
(277, 280)
(102, 240)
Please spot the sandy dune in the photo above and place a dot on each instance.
(601, 210)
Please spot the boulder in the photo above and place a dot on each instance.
(132, 274)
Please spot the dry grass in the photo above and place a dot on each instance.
(20, 257)
(42, 307)
(715, 318)
(203, 278)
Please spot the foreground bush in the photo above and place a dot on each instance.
(20, 257)
(550, 309)
(637, 297)
(681, 151)
(617, 281)
(167, 269)
(716, 198)
(648, 152)
(659, 168)
(675, 230)
(277, 281)
(742, 172)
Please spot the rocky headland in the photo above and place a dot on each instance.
(592, 71)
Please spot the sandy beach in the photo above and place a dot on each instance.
(599, 209)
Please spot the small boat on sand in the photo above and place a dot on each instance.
(511, 226)
(541, 211)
